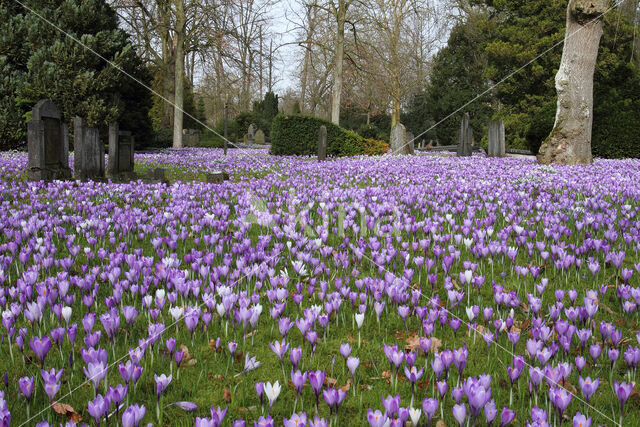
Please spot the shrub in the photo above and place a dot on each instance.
(368, 131)
(374, 147)
(298, 135)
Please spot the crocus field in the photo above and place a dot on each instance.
(359, 291)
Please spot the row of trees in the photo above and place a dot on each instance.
(365, 63)
(493, 39)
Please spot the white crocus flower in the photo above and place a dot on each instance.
(468, 275)
(415, 415)
(470, 314)
(360, 319)
(66, 313)
(176, 312)
(272, 391)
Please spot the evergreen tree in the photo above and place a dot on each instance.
(38, 61)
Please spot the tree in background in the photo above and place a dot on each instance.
(38, 61)
(456, 78)
(503, 36)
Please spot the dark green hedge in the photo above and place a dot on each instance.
(298, 135)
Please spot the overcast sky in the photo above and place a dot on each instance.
(283, 31)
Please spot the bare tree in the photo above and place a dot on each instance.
(570, 139)
(402, 36)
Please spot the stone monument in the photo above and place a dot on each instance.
(465, 137)
(398, 139)
(251, 134)
(496, 139)
(191, 137)
(322, 143)
(259, 137)
(88, 151)
(121, 146)
(410, 147)
(48, 143)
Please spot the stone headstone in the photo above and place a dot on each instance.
(496, 139)
(251, 134)
(410, 147)
(48, 143)
(259, 137)
(121, 148)
(157, 175)
(322, 143)
(398, 139)
(465, 137)
(217, 177)
(88, 151)
(191, 137)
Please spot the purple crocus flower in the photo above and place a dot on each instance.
(279, 348)
(623, 391)
(506, 416)
(295, 420)
(588, 386)
(429, 406)
(294, 356)
(26, 387)
(580, 420)
(98, 407)
(41, 347)
(460, 413)
(377, 418)
(162, 382)
(132, 416)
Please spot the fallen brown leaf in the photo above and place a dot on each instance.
(413, 343)
(440, 423)
(226, 395)
(250, 334)
(386, 375)
(345, 387)
(436, 343)
(185, 350)
(66, 410)
(330, 382)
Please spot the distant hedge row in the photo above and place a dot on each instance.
(298, 135)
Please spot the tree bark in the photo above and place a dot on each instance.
(341, 14)
(179, 82)
(570, 140)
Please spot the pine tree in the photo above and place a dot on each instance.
(38, 61)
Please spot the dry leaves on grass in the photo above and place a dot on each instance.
(226, 395)
(66, 410)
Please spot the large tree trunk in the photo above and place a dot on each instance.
(337, 70)
(179, 57)
(570, 140)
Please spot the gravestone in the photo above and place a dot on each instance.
(260, 139)
(217, 177)
(251, 134)
(398, 139)
(496, 139)
(47, 143)
(157, 175)
(88, 151)
(410, 147)
(191, 137)
(121, 148)
(322, 143)
(465, 137)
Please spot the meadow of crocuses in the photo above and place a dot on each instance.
(359, 291)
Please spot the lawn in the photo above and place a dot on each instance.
(502, 282)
